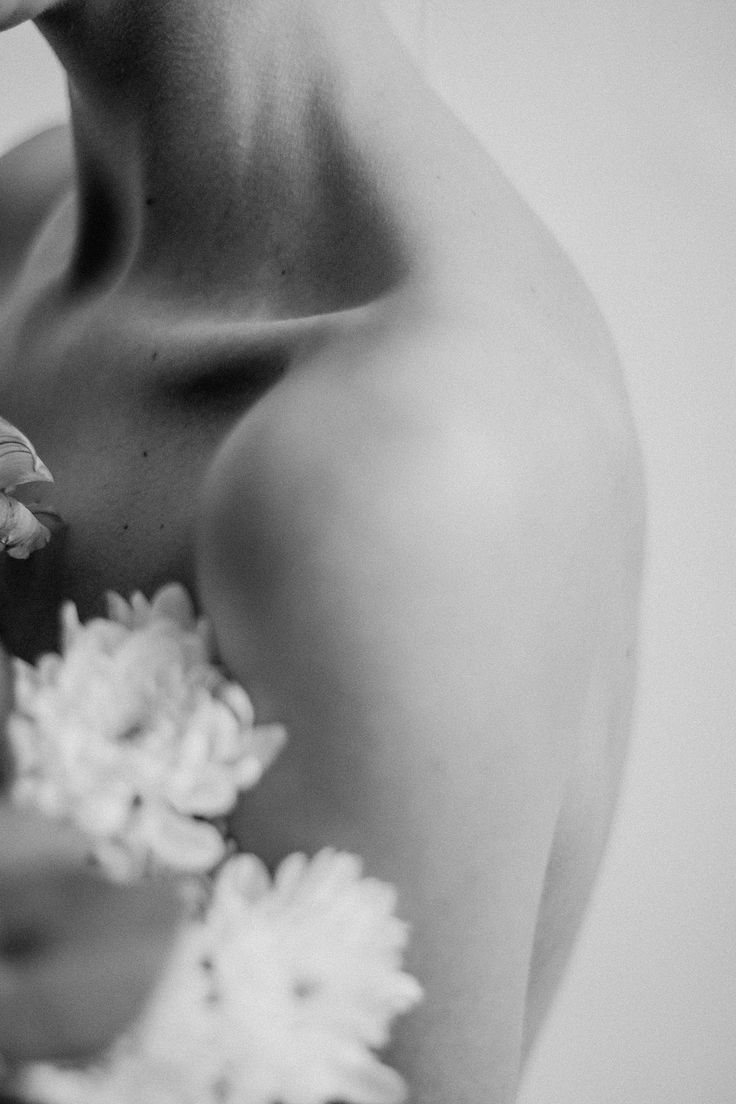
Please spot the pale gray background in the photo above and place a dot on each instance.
(616, 118)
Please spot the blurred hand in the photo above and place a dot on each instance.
(78, 954)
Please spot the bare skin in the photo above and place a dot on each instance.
(287, 335)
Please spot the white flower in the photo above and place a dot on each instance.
(20, 530)
(279, 991)
(134, 735)
(278, 996)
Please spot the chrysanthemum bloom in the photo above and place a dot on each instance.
(135, 735)
(278, 996)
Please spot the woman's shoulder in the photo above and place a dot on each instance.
(33, 175)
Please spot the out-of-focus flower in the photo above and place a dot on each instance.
(278, 990)
(134, 735)
(278, 996)
(20, 530)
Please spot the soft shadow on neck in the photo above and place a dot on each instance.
(216, 152)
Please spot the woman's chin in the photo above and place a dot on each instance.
(13, 12)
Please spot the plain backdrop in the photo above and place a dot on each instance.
(616, 119)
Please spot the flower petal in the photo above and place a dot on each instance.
(266, 741)
(173, 602)
(19, 461)
(181, 843)
(20, 532)
(118, 609)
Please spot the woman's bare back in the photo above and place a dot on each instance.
(419, 537)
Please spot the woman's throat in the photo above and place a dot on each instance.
(222, 158)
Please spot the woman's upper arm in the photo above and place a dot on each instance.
(395, 587)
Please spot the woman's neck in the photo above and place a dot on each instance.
(213, 140)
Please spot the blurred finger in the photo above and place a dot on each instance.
(78, 954)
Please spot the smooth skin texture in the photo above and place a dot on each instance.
(282, 331)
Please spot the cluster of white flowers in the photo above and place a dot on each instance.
(278, 994)
(277, 991)
(136, 736)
